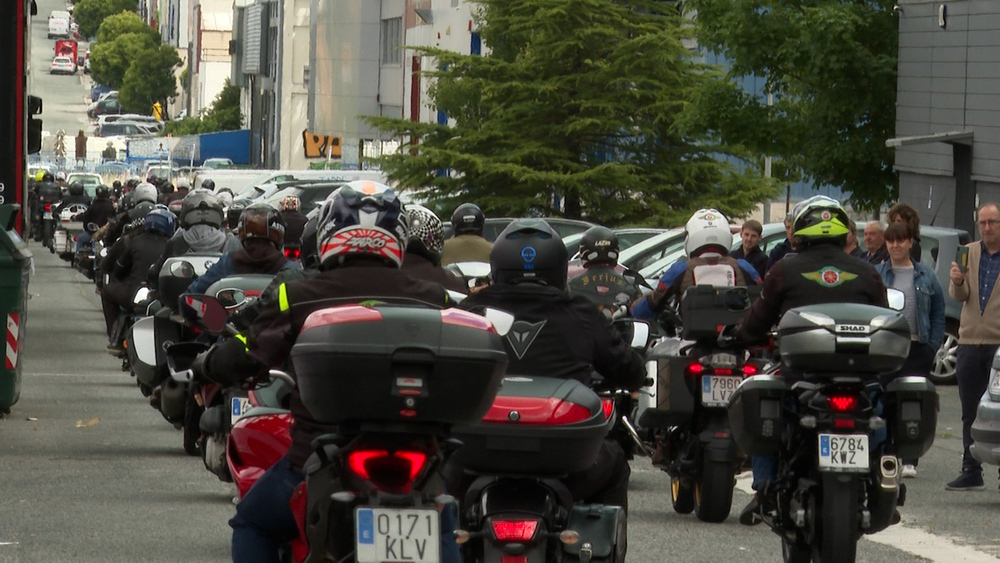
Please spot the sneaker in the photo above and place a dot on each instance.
(967, 481)
(115, 349)
(909, 471)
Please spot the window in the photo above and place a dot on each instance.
(392, 41)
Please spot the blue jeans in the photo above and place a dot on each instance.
(82, 240)
(264, 521)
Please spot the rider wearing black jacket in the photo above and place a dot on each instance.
(820, 273)
(100, 211)
(77, 194)
(601, 283)
(424, 249)
(349, 274)
(556, 335)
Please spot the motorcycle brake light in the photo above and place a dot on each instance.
(392, 472)
(842, 403)
(535, 410)
(514, 530)
(48, 207)
(608, 405)
(695, 369)
(513, 559)
(722, 371)
(292, 253)
(749, 369)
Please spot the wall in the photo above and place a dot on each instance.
(294, 89)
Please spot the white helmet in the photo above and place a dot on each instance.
(144, 192)
(183, 182)
(707, 229)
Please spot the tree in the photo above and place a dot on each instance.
(89, 14)
(831, 65)
(110, 60)
(224, 115)
(573, 113)
(123, 23)
(149, 79)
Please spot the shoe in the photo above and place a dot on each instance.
(752, 513)
(909, 471)
(967, 481)
(115, 349)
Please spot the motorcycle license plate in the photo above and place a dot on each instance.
(397, 534)
(717, 389)
(843, 452)
(47, 215)
(240, 407)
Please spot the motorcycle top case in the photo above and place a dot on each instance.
(911, 407)
(706, 308)
(755, 414)
(390, 364)
(843, 338)
(178, 272)
(536, 426)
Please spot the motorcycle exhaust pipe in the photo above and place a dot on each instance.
(883, 495)
(889, 473)
(640, 445)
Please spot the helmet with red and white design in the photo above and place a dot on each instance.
(362, 218)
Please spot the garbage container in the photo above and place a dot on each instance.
(15, 269)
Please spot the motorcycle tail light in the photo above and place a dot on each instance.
(694, 370)
(48, 207)
(608, 405)
(513, 559)
(749, 369)
(842, 403)
(392, 472)
(722, 371)
(292, 253)
(514, 530)
(534, 410)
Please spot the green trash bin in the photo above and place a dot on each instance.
(15, 270)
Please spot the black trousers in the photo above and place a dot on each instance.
(114, 296)
(973, 372)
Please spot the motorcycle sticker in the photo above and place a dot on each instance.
(521, 335)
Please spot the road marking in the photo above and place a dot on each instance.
(912, 540)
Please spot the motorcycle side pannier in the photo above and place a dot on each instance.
(536, 426)
(843, 338)
(397, 364)
(674, 400)
(178, 272)
(755, 414)
(706, 308)
(911, 407)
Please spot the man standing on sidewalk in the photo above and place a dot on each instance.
(979, 333)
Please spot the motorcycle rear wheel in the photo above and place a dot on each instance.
(838, 538)
(795, 551)
(714, 492)
(682, 495)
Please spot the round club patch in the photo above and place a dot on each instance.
(826, 215)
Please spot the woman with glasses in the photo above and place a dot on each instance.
(923, 308)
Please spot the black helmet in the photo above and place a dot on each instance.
(362, 218)
(468, 219)
(529, 250)
(201, 208)
(208, 184)
(599, 245)
(262, 221)
(103, 192)
(117, 184)
(137, 215)
(820, 219)
(48, 177)
(76, 188)
(233, 213)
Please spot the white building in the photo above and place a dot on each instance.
(209, 65)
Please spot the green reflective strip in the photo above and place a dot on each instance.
(243, 339)
(825, 228)
(282, 298)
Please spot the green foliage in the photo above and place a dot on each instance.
(578, 99)
(110, 60)
(224, 115)
(831, 65)
(150, 78)
(123, 23)
(89, 14)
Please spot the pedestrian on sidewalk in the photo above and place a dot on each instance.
(81, 149)
(978, 333)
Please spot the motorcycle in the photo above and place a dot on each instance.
(689, 424)
(835, 480)
(67, 230)
(516, 506)
(48, 225)
(372, 492)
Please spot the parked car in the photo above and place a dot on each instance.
(627, 237)
(62, 65)
(98, 90)
(123, 128)
(986, 428)
(640, 255)
(308, 194)
(494, 225)
(148, 121)
(104, 107)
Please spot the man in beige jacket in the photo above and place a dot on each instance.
(979, 333)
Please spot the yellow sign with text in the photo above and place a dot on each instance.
(319, 146)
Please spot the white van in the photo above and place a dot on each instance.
(59, 24)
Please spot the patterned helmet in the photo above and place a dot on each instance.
(362, 218)
(820, 219)
(290, 203)
(426, 233)
(707, 229)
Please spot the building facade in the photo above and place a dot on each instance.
(947, 138)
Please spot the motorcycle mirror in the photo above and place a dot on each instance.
(502, 320)
(92, 227)
(633, 331)
(897, 299)
(203, 311)
(231, 297)
(737, 299)
(141, 295)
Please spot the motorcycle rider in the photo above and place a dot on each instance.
(98, 213)
(142, 193)
(233, 215)
(181, 189)
(208, 184)
(140, 249)
(556, 334)
(468, 244)
(821, 272)
(600, 282)
(291, 211)
(264, 520)
(76, 194)
(707, 246)
(48, 191)
(262, 232)
(423, 251)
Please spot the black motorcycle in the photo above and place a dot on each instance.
(836, 479)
